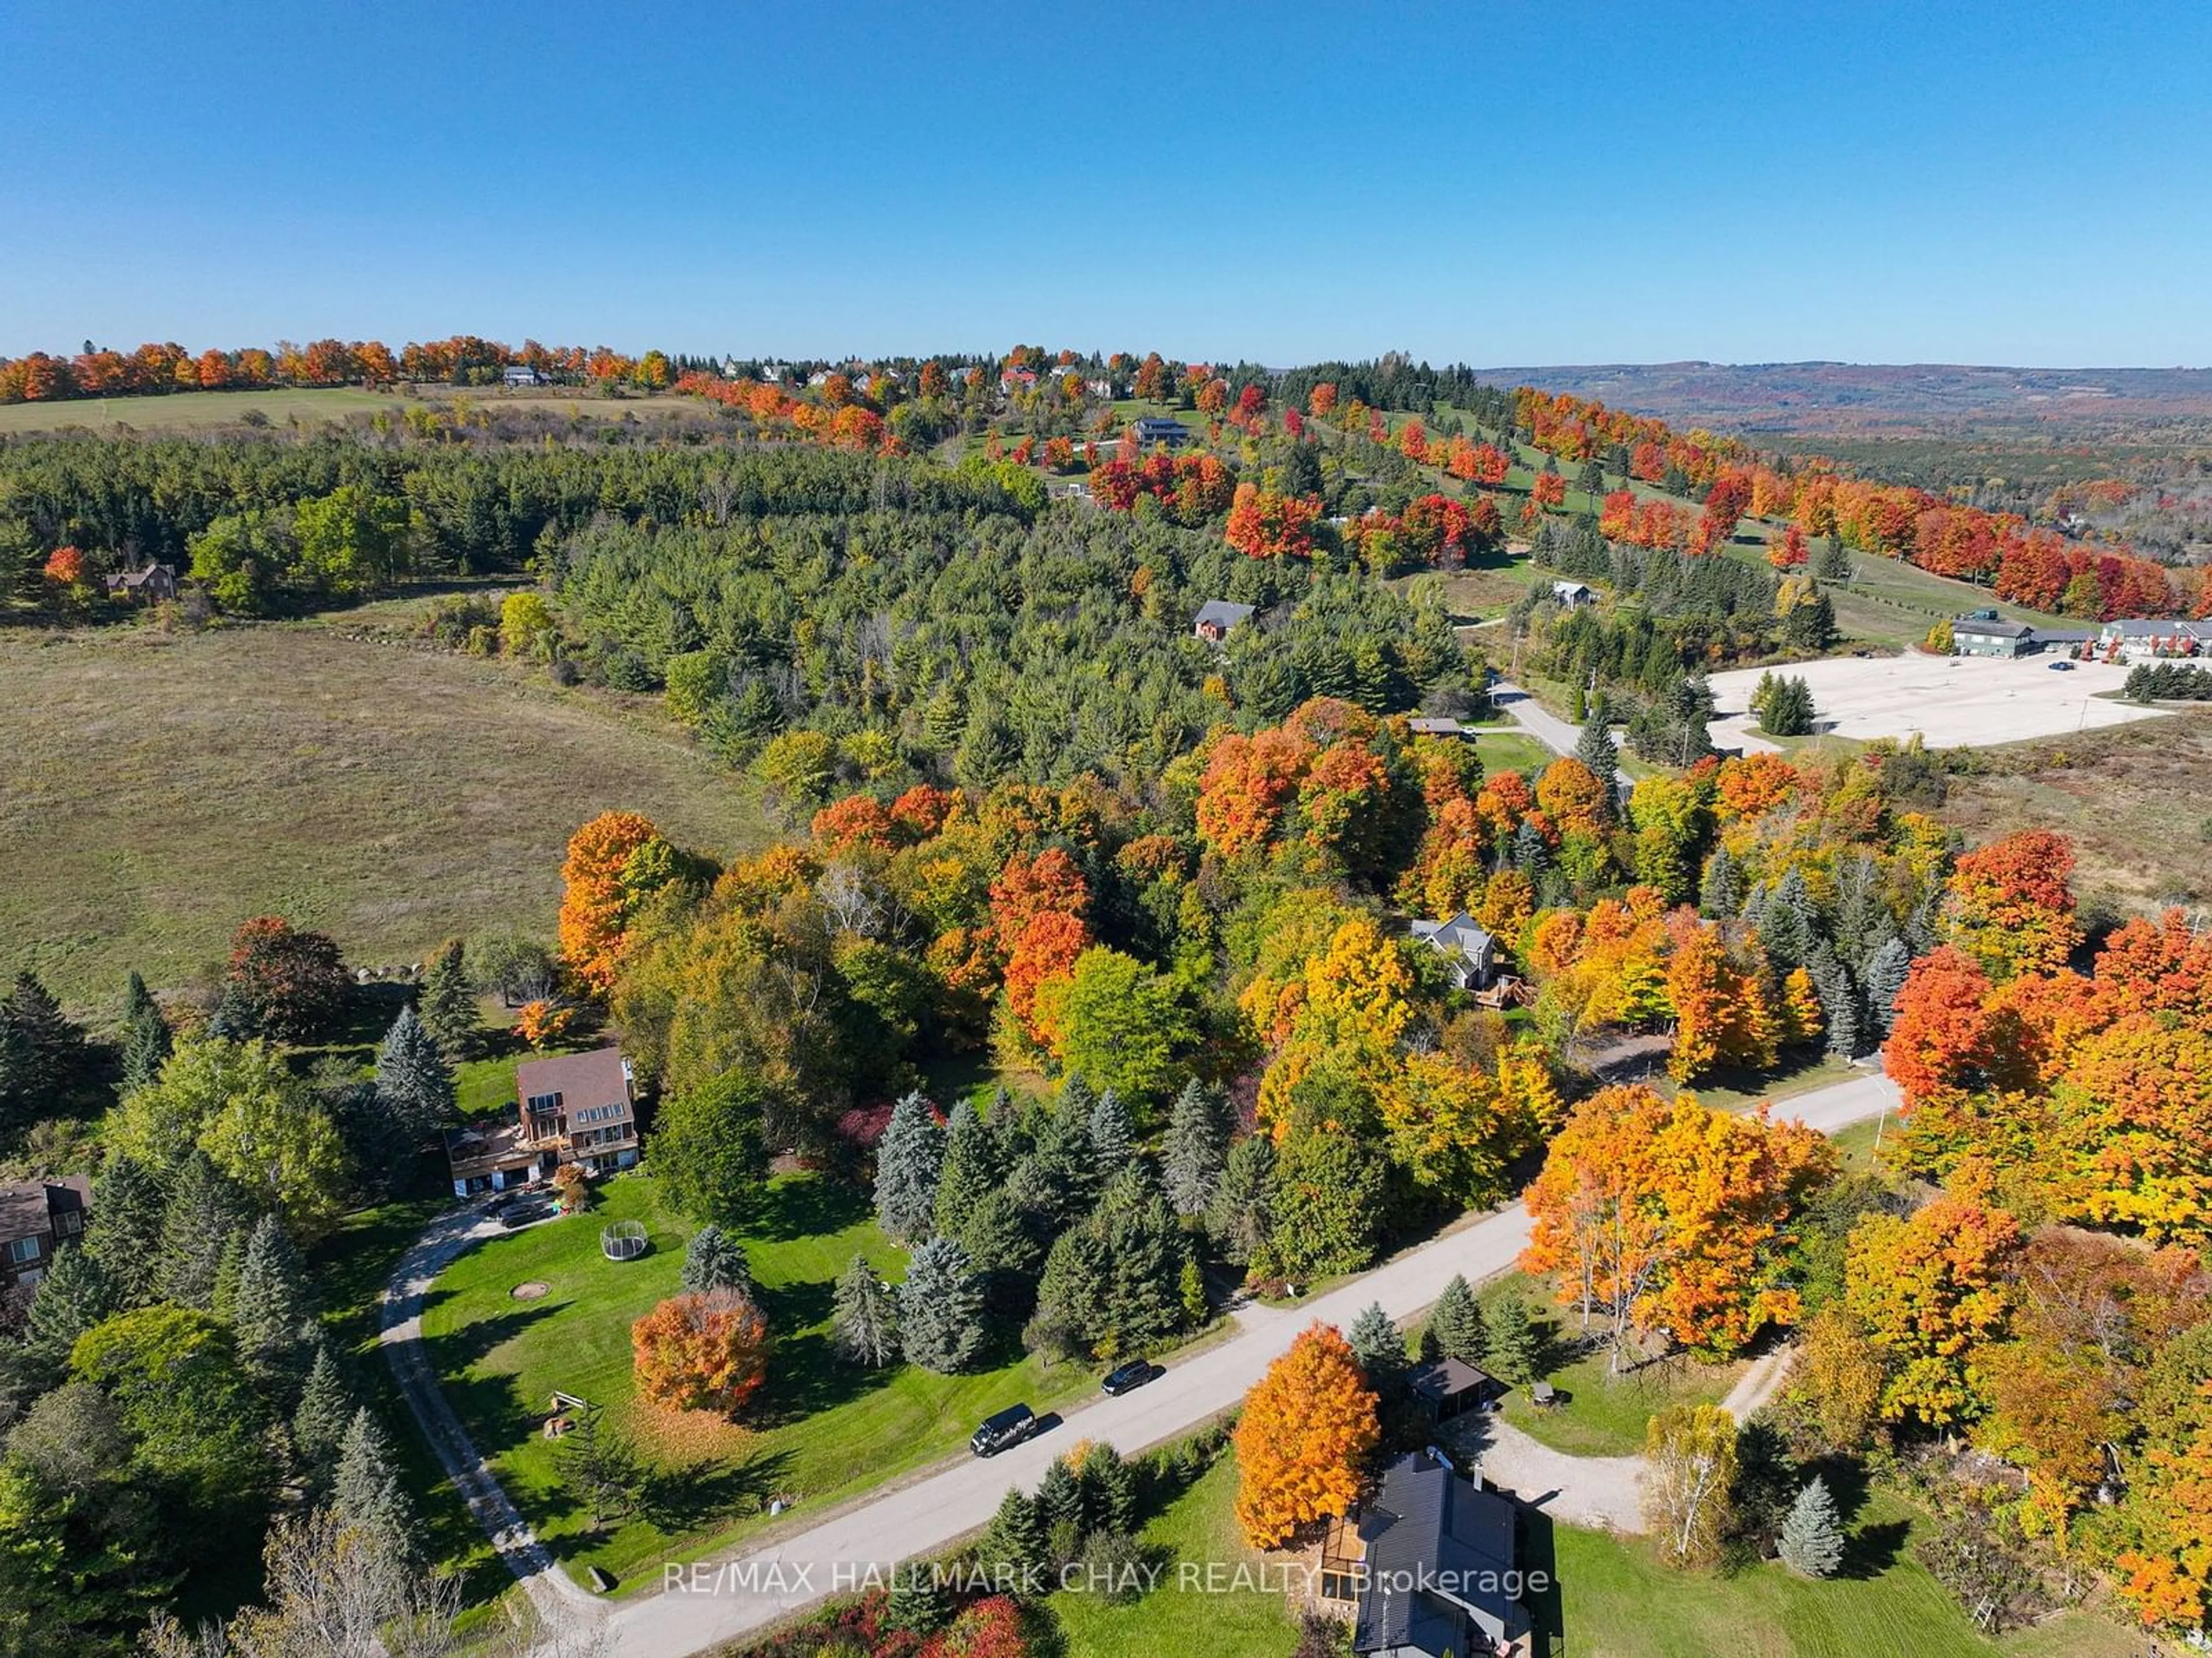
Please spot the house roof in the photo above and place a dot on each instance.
(1563, 588)
(598, 1077)
(2062, 636)
(1446, 1378)
(1159, 426)
(28, 1208)
(1434, 1543)
(1428, 726)
(1991, 630)
(1222, 613)
(2139, 628)
(480, 1148)
(1463, 935)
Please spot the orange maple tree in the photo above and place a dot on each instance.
(700, 1350)
(1302, 1443)
(600, 889)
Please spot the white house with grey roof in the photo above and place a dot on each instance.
(2136, 640)
(1469, 951)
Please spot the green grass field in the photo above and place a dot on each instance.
(1510, 750)
(308, 406)
(1198, 1529)
(821, 1430)
(1615, 1600)
(1599, 1414)
(161, 789)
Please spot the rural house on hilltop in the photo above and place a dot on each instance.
(36, 1218)
(1470, 951)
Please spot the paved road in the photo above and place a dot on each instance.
(551, 1590)
(1560, 736)
(720, 1601)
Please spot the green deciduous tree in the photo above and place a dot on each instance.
(1118, 1023)
(709, 1149)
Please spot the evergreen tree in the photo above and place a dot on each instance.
(146, 1037)
(598, 1466)
(1810, 625)
(366, 1493)
(448, 1005)
(1380, 1346)
(1788, 922)
(42, 1054)
(1834, 563)
(1595, 747)
(1108, 1487)
(1812, 1542)
(999, 1238)
(1839, 1001)
(864, 1317)
(1887, 968)
(318, 1426)
(1241, 1216)
(1012, 1546)
(131, 1203)
(1516, 1350)
(1112, 1286)
(973, 1169)
(909, 1162)
(74, 1296)
(1113, 1136)
(269, 1309)
(1059, 1497)
(1455, 1321)
(940, 1309)
(205, 1214)
(1196, 1149)
(1720, 892)
(414, 1088)
(1530, 855)
(714, 1260)
(1190, 1288)
(916, 1602)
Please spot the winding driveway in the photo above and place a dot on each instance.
(722, 1599)
(551, 1590)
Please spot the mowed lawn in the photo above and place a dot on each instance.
(1616, 1600)
(1197, 1530)
(818, 1431)
(159, 790)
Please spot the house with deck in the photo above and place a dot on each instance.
(574, 1108)
(1431, 1565)
(1468, 949)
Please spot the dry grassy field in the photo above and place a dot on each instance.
(158, 790)
(2136, 800)
(310, 406)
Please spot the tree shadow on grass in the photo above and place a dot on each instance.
(1873, 1550)
(457, 1350)
(797, 1306)
(808, 1208)
(806, 1376)
(680, 1500)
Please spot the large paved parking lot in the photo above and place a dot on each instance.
(1952, 701)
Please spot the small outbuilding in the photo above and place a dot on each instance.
(522, 374)
(1447, 1387)
(1573, 594)
(1217, 617)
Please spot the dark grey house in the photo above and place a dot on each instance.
(1150, 429)
(1441, 1573)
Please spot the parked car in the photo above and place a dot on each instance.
(523, 1214)
(2062, 666)
(1130, 1376)
(1008, 1427)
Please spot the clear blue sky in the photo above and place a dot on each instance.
(1500, 184)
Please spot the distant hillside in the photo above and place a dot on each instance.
(1889, 399)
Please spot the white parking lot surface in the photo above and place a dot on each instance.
(1951, 701)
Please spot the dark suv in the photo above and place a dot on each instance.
(1131, 1375)
(1009, 1427)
